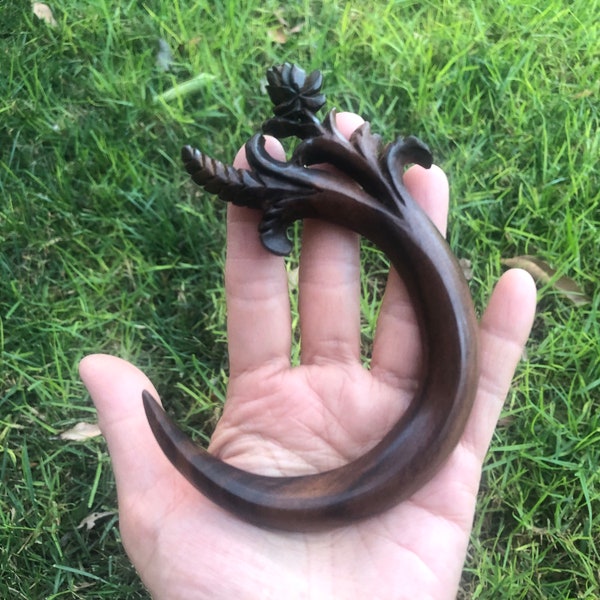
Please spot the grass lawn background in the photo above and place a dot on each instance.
(105, 246)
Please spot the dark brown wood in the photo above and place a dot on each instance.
(367, 195)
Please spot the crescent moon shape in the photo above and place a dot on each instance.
(366, 195)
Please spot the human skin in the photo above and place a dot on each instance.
(284, 420)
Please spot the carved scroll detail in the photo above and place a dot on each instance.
(365, 193)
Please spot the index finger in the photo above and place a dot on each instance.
(256, 284)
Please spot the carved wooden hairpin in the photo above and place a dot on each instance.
(367, 195)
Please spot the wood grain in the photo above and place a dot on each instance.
(366, 194)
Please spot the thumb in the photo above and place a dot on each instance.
(116, 386)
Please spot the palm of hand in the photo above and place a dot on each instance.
(292, 421)
(283, 420)
(313, 418)
(425, 537)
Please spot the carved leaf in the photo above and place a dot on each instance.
(273, 235)
(402, 152)
(239, 186)
(293, 93)
(368, 144)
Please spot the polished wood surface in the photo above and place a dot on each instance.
(366, 194)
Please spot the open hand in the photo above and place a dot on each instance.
(280, 419)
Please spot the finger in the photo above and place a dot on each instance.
(397, 347)
(116, 389)
(329, 284)
(429, 187)
(503, 331)
(258, 308)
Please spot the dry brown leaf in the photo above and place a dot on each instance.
(467, 268)
(164, 56)
(44, 12)
(89, 522)
(278, 35)
(278, 14)
(81, 432)
(281, 34)
(542, 272)
(293, 278)
(505, 421)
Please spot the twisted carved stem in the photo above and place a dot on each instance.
(366, 194)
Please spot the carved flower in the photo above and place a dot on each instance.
(293, 93)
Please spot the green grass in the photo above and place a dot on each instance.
(106, 246)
